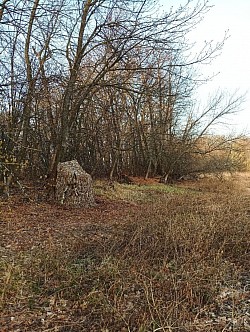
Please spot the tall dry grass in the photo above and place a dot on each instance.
(155, 271)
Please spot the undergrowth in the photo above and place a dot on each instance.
(155, 272)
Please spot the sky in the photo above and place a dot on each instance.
(233, 65)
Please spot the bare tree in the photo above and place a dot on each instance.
(109, 83)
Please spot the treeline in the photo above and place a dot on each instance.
(109, 83)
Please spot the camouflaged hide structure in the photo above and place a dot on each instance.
(74, 186)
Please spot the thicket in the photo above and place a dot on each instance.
(109, 83)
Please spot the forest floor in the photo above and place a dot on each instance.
(147, 257)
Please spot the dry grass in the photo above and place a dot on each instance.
(154, 271)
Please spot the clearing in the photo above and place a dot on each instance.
(148, 257)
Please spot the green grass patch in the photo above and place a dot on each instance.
(136, 193)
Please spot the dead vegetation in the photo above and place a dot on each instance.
(148, 257)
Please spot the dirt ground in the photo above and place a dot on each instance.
(24, 225)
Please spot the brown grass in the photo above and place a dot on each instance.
(153, 265)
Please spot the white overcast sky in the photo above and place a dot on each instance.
(233, 65)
